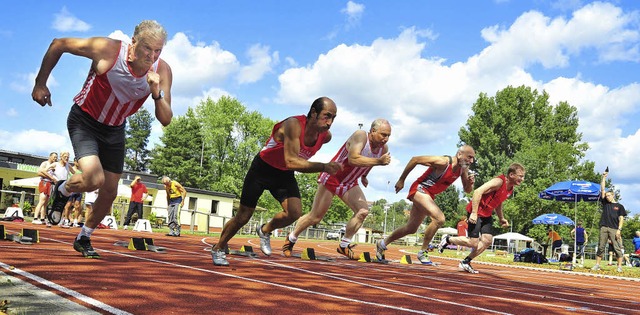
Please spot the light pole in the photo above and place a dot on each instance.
(386, 209)
(359, 125)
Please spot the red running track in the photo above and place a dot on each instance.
(184, 280)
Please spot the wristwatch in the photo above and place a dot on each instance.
(160, 96)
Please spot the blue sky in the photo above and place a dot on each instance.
(420, 64)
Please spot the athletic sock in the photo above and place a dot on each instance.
(85, 231)
(466, 260)
(63, 190)
(292, 238)
(383, 245)
(345, 242)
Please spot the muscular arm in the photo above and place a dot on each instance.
(101, 50)
(43, 171)
(290, 132)
(486, 188)
(162, 81)
(355, 144)
(467, 180)
(426, 160)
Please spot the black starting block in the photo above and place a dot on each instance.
(310, 254)
(366, 257)
(141, 243)
(28, 236)
(245, 250)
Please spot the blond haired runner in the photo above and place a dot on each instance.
(121, 78)
(358, 155)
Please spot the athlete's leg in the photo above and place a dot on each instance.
(433, 211)
(102, 205)
(354, 198)
(291, 211)
(321, 204)
(416, 216)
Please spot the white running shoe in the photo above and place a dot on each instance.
(36, 221)
(466, 267)
(219, 258)
(423, 257)
(265, 241)
(379, 250)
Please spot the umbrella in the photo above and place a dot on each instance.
(572, 191)
(553, 219)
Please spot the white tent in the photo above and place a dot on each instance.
(510, 237)
(447, 230)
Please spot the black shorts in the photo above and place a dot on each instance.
(482, 226)
(75, 197)
(262, 176)
(89, 137)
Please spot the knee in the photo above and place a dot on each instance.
(93, 181)
(439, 221)
(362, 214)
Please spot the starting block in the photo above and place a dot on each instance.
(245, 250)
(406, 259)
(20, 238)
(142, 225)
(310, 254)
(366, 257)
(141, 243)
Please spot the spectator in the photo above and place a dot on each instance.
(555, 240)
(44, 188)
(611, 222)
(636, 243)
(138, 195)
(176, 194)
(462, 227)
(580, 234)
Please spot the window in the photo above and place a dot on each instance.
(214, 206)
(193, 201)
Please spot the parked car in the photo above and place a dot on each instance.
(333, 235)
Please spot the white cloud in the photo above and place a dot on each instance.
(197, 66)
(66, 22)
(34, 141)
(428, 101)
(261, 62)
(11, 112)
(354, 12)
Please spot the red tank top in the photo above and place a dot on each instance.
(116, 94)
(492, 201)
(273, 151)
(434, 184)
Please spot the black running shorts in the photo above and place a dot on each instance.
(262, 176)
(482, 226)
(90, 137)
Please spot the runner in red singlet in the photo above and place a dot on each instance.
(486, 199)
(293, 141)
(358, 155)
(121, 78)
(442, 172)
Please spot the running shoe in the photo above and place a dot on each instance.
(265, 241)
(619, 269)
(443, 243)
(595, 268)
(219, 258)
(380, 250)
(58, 201)
(287, 248)
(466, 267)
(347, 251)
(36, 221)
(83, 245)
(423, 257)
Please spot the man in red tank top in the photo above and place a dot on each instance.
(292, 142)
(486, 199)
(442, 172)
(121, 78)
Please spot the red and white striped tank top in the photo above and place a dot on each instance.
(113, 96)
(349, 174)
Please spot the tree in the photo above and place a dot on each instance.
(137, 133)
(232, 138)
(180, 154)
(519, 125)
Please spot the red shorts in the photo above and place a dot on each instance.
(340, 189)
(44, 187)
(416, 187)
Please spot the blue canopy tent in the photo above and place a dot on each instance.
(572, 191)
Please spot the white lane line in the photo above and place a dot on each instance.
(55, 286)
